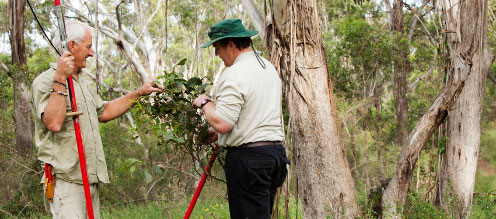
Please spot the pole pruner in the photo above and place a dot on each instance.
(202, 183)
(75, 114)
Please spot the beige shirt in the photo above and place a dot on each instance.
(60, 149)
(248, 97)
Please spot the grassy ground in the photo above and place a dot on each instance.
(205, 208)
(484, 204)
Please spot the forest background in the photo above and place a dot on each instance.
(155, 168)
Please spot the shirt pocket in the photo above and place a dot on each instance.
(67, 136)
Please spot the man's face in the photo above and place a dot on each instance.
(226, 53)
(81, 51)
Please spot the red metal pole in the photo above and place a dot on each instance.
(202, 183)
(75, 119)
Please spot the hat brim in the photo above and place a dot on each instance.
(248, 33)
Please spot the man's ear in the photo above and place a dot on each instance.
(70, 46)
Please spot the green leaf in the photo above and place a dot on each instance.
(132, 169)
(179, 140)
(157, 169)
(148, 177)
(168, 136)
(193, 82)
(182, 62)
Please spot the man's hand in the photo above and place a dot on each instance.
(65, 66)
(149, 87)
(199, 99)
(212, 135)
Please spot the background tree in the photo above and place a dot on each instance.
(466, 26)
(153, 172)
(22, 108)
(299, 56)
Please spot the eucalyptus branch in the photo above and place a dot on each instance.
(431, 37)
(144, 28)
(412, 86)
(5, 68)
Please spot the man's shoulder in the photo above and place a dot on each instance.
(46, 76)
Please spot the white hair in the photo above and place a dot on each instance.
(75, 30)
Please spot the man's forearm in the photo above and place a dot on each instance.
(216, 122)
(55, 110)
(118, 107)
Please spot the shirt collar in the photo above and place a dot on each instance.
(242, 56)
(53, 65)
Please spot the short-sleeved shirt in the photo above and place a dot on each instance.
(248, 97)
(60, 149)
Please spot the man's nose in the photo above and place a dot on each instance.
(91, 52)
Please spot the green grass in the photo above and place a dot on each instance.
(205, 208)
(212, 208)
(487, 143)
(486, 182)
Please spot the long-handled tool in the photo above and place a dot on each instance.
(202, 183)
(74, 114)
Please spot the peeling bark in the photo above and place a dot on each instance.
(467, 29)
(294, 44)
(396, 191)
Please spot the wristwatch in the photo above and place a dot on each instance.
(204, 102)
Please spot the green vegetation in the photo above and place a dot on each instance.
(154, 157)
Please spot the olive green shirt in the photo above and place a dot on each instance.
(60, 149)
(248, 97)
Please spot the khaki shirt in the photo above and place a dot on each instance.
(248, 97)
(60, 149)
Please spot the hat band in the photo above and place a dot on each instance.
(225, 34)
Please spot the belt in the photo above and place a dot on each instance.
(261, 143)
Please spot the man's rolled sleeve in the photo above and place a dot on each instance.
(41, 95)
(229, 100)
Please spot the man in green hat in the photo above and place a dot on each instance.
(245, 112)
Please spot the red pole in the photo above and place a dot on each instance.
(75, 119)
(201, 184)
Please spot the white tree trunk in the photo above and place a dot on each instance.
(394, 196)
(295, 47)
(467, 28)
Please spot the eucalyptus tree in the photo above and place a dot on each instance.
(466, 26)
(294, 44)
(22, 110)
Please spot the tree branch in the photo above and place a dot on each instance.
(422, 23)
(411, 88)
(397, 189)
(414, 23)
(132, 55)
(5, 68)
(146, 25)
(256, 17)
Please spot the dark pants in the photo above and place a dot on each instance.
(253, 175)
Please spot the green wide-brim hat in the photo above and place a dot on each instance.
(228, 28)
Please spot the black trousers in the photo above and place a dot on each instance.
(253, 175)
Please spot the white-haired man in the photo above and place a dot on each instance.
(54, 132)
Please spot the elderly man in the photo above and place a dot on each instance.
(54, 132)
(246, 112)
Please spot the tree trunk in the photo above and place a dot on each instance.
(97, 63)
(467, 38)
(381, 149)
(401, 70)
(395, 194)
(294, 44)
(22, 110)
